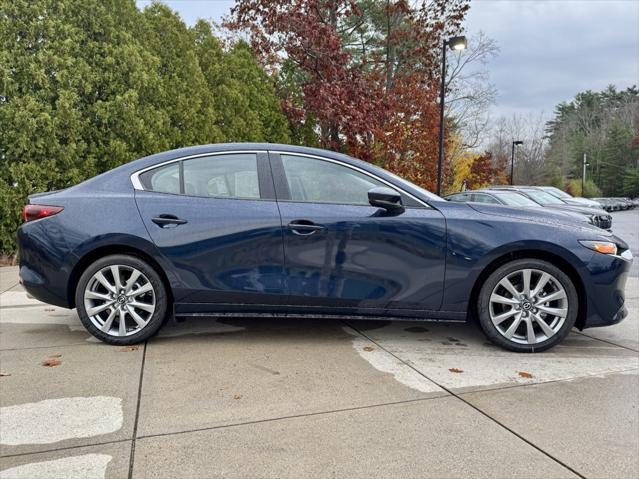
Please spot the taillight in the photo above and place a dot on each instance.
(35, 212)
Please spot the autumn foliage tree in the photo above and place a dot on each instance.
(364, 75)
(475, 170)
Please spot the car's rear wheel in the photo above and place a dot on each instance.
(121, 300)
(527, 305)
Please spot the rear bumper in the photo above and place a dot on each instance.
(37, 287)
(44, 271)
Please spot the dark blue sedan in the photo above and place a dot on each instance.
(254, 229)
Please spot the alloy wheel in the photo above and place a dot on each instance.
(528, 306)
(119, 300)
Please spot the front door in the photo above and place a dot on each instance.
(216, 220)
(341, 252)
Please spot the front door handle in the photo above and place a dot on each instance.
(304, 227)
(168, 221)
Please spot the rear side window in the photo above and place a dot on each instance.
(222, 176)
(217, 176)
(479, 198)
(459, 198)
(165, 179)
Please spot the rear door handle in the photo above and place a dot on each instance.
(304, 227)
(168, 221)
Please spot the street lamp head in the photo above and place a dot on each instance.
(457, 43)
(518, 142)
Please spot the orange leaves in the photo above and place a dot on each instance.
(52, 360)
(125, 349)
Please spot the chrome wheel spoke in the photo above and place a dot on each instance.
(541, 283)
(106, 327)
(143, 306)
(561, 312)
(136, 317)
(548, 331)
(513, 327)
(99, 276)
(510, 288)
(131, 281)
(122, 325)
(526, 279)
(98, 309)
(94, 295)
(141, 290)
(496, 298)
(561, 294)
(115, 271)
(530, 331)
(500, 318)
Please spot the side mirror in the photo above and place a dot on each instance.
(387, 198)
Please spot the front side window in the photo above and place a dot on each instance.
(319, 181)
(217, 176)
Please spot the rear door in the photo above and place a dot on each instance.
(215, 218)
(341, 252)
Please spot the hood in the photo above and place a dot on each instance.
(582, 202)
(539, 215)
(584, 210)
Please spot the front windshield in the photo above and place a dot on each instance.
(557, 192)
(515, 199)
(543, 198)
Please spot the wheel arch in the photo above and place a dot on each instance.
(551, 257)
(93, 255)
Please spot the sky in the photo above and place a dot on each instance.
(549, 49)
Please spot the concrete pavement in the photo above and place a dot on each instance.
(310, 398)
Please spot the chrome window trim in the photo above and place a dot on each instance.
(137, 184)
(135, 180)
(352, 167)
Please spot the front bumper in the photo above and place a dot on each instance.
(604, 284)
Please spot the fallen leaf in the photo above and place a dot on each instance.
(133, 347)
(237, 396)
(368, 349)
(4, 375)
(455, 370)
(50, 362)
(524, 374)
(49, 309)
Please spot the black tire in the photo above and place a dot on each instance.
(483, 305)
(156, 319)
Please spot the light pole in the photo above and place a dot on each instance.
(512, 159)
(455, 43)
(583, 175)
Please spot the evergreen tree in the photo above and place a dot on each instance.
(87, 85)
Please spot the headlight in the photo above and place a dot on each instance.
(604, 247)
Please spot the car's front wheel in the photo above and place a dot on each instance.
(121, 300)
(527, 305)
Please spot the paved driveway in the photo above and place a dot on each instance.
(305, 398)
